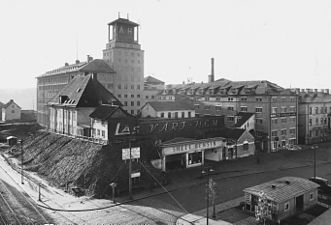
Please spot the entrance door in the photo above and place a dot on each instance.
(299, 203)
(175, 161)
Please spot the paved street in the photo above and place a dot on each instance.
(186, 189)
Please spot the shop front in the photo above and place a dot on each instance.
(188, 153)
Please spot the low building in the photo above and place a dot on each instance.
(168, 109)
(11, 111)
(286, 196)
(71, 107)
(189, 152)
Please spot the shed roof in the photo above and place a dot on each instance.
(283, 189)
(171, 106)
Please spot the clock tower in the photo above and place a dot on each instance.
(124, 55)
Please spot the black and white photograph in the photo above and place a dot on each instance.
(165, 112)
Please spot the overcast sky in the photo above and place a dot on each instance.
(286, 42)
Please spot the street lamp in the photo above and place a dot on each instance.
(209, 185)
(314, 147)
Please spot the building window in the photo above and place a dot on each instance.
(138, 103)
(274, 133)
(316, 120)
(292, 131)
(230, 108)
(125, 86)
(119, 96)
(169, 114)
(132, 111)
(132, 87)
(125, 103)
(310, 122)
(119, 86)
(258, 109)
(274, 121)
(287, 206)
(230, 118)
(245, 146)
(103, 133)
(138, 86)
(316, 110)
(283, 132)
(311, 110)
(183, 114)
(259, 99)
(189, 115)
(132, 96)
(243, 108)
(13, 111)
(284, 120)
(146, 96)
(162, 115)
(132, 103)
(98, 132)
(311, 195)
(176, 114)
(110, 86)
(230, 99)
(284, 109)
(125, 96)
(218, 108)
(244, 99)
(274, 110)
(259, 121)
(138, 96)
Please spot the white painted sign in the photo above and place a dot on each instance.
(135, 153)
(192, 146)
(137, 174)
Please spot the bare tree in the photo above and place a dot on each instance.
(263, 208)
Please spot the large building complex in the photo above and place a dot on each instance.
(121, 71)
(275, 108)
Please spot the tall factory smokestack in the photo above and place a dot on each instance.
(211, 76)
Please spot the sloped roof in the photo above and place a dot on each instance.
(231, 133)
(106, 111)
(65, 69)
(84, 91)
(153, 80)
(177, 140)
(283, 189)
(97, 66)
(242, 118)
(9, 103)
(171, 106)
(123, 20)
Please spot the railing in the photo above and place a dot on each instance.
(84, 138)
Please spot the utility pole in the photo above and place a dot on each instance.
(130, 171)
(22, 152)
(39, 195)
(208, 199)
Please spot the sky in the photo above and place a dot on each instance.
(285, 42)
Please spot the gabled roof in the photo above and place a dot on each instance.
(283, 189)
(153, 80)
(106, 111)
(97, 66)
(11, 101)
(84, 91)
(242, 118)
(231, 133)
(123, 21)
(170, 106)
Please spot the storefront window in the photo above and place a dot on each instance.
(194, 158)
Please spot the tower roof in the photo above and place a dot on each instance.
(123, 21)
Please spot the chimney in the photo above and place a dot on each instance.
(315, 90)
(326, 91)
(302, 90)
(77, 61)
(89, 58)
(211, 76)
(66, 64)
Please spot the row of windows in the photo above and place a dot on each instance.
(126, 96)
(126, 60)
(322, 121)
(175, 115)
(318, 133)
(125, 86)
(283, 109)
(131, 103)
(283, 120)
(275, 133)
(318, 110)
